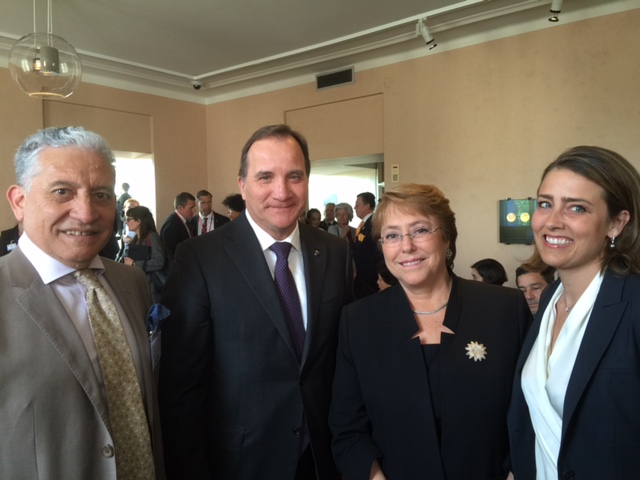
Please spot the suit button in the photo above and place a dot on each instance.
(568, 475)
(107, 451)
(297, 431)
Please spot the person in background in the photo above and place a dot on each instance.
(249, 350)
(366, 253)
(177, 227)
(342, 229)
(329, 216)
(125, 234)
(385, 277)
(489, 271)
(140, 221)
(313, 218)
(206, 220)
(61, 417)
(532, 283)
(235, 205)
(9, 239)
(574, 411)
(424, 368)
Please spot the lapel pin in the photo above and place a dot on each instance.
(316, 253)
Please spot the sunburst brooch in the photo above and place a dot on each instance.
(476, 351)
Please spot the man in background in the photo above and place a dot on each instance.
(532, 283)
(206, 220)
(61, 417)
(329, 216)
(249, 350)
(366, 254)
(178, 226)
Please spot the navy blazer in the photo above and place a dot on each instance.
(174, 231)
(382, 408)
(232, 391)
(601, 424)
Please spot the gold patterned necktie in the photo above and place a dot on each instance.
(129, 426)
(359, 229)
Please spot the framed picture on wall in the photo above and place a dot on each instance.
(515, 220)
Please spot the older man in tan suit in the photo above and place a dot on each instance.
(61, 415)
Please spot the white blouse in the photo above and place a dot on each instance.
(545, 377)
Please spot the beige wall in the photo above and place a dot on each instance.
(479, 122)
(173, 131)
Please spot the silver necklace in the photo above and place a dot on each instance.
(432, 311)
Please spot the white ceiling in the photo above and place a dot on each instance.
(240, 47)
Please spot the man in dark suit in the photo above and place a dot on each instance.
(58, 415)
(366, 254)
(240, 398)
(206, 220)
(178, 227)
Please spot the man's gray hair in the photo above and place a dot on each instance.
(27, 163)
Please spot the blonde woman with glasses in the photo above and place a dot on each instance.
(425, 368)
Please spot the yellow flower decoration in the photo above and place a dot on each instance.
(476, 351)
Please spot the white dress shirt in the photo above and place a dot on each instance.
(296, 262)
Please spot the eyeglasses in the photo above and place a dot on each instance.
(417, 236)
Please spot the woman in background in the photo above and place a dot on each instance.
(489, 271)
(235, 205)
(140, 220)
(574, 412)
(313, 218)
(424, 368)
(343, 214)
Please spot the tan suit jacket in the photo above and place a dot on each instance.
(54, 420)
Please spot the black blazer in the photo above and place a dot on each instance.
(173, 232)
(232, 390)
(382, 408)
(601, 419)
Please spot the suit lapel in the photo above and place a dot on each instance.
(603, 323)
(244, 249)
(41, 304)
(314, 254)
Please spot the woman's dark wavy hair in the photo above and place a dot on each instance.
(147, 224)
(620, 183)
(491, 271)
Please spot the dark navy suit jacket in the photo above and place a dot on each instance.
(382, 406)
(232, 391)
(601, 424)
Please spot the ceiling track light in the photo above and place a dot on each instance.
(556, 8)
(44, 65)
(423, 30)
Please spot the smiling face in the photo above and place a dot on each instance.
(276, 186)
(70, 208)
(571, 225)
(416, 263)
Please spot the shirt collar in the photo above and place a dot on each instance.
(48, 267)
(267, 240)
